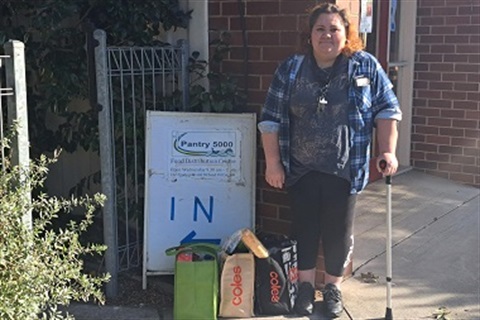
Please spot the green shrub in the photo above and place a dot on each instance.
(41, 266)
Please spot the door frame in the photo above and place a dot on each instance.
(406, 66)
(405, 72)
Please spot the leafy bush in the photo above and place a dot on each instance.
(224, 93)
(54, 34)
(41, 266)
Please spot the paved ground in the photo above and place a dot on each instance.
(436, 255)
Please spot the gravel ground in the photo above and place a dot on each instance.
(159, 292)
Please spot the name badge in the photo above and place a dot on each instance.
(362, 82)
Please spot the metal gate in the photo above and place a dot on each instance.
(129, 81)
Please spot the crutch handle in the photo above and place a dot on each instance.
(383, 165)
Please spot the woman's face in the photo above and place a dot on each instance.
(328, 36)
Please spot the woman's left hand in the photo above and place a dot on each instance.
(391, 164)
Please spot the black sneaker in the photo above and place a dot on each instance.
(332, 300)
(305, 299)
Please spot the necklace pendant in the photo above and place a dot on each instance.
(322, 103)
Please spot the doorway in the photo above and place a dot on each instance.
(392, 41)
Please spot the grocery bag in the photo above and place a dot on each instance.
(237, 286)
(276, 277)
(195, 281)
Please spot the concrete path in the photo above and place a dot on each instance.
(93, 312)
(436, 243)
(436, 255)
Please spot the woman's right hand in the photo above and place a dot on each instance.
(275, 175)
(274, 171)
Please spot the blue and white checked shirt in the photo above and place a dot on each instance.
(371, 97)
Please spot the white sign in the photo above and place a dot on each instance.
(200, 181)
(366, 16)
(205, 155)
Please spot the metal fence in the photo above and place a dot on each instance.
(130, 81)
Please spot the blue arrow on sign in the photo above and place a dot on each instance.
(190, 238)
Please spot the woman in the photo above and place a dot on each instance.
(316, 128)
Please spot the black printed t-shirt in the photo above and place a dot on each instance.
(319, 136)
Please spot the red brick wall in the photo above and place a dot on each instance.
(272, 33)
(446, 113)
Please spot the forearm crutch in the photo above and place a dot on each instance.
(388, 182)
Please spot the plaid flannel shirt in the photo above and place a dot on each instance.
(370, 101)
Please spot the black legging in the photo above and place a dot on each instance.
(323, 208)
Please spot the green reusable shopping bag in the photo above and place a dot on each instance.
(195, 281)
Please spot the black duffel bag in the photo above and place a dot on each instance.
(276, 277)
